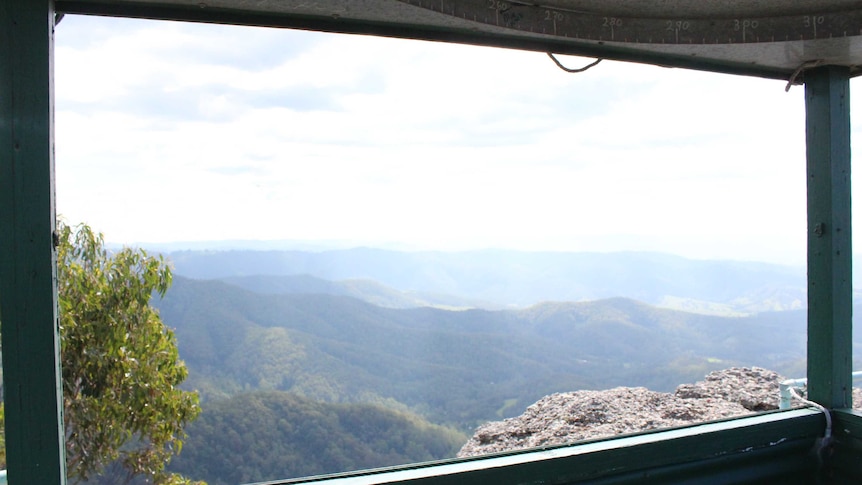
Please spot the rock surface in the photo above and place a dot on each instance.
(573, 416)
(754, 388)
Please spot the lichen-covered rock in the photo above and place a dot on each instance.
(756, 389)
(573, 416)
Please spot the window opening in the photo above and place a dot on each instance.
(261, 140)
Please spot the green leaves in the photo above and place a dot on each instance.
(121, 366)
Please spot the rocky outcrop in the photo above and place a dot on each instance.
(753, 388)
(573, 416)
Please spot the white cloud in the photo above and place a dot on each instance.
(167, 131)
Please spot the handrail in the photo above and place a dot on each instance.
(785, 396)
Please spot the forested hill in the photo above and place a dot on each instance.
(501, 278)
(455, 367)
(275, 435)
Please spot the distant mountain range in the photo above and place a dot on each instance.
(456, 367)
(347, 348)
(509, 279)
(363, 289)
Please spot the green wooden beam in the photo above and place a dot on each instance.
(845, 456)
(830, 292)
(28, 286)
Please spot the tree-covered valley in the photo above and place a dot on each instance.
(303, 375)
(263, 435)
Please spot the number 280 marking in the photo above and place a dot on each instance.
(551, 15)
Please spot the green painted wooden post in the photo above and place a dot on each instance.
(28, 287)
(830, 295)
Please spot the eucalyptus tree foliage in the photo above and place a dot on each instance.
(121, 367)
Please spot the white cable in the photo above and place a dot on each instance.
(827, 435)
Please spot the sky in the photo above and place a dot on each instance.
(170, 132)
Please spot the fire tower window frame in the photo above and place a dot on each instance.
(749, 449)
